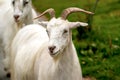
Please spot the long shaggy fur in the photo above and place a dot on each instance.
(25, 48)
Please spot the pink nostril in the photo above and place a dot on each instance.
(51, 48)
(16, 17)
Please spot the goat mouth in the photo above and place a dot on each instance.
(54, 53)
(16, 20)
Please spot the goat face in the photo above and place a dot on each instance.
(59, 29)
(21, 9)
(59, 32)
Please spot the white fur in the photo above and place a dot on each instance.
(32, 60)
(62, 63)
(6, 21)
(9, 27)
(25, 48)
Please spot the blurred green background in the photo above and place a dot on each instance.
(98, 45)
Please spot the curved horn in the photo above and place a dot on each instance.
(51, 12)
(67, 11)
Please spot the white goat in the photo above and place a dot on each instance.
(35, 57)
(58, 60)
(15, 15)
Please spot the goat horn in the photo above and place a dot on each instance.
(67, 11)
(51, 12)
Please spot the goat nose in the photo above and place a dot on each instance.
(16, 17)
(51, 48)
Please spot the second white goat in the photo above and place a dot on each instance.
(17, 13)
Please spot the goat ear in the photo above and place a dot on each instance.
(77, 24)
(43, 23)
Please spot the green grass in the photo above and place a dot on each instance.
(98, 50)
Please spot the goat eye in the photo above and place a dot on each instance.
(47, 32)
(25, 3)
(13, 2)
(65, 31)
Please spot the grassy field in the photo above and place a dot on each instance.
(99, 49)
